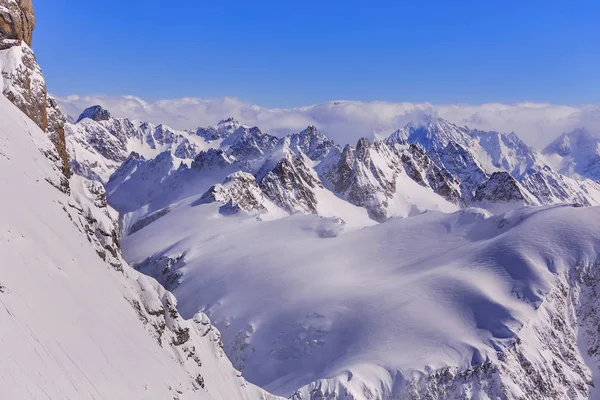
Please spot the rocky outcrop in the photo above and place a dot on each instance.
(239, 192)
(97, 113)
(311, 142)
(56, 130)
(366, 176)
(290, 185)
(24, 84)
(211, 159)
(421, 169)
(22, 81)
(502, 187)
(17, 20)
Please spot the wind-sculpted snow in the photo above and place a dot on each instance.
(447, 305)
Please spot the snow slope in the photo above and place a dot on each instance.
(442, 305)
(74, 326)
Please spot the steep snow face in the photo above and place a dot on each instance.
(576, 154)
(144, 186)
(77, 322)
(304, 309)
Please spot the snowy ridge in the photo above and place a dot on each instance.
(576, 154)
(99, 144)
(78, 322)
(472, 156)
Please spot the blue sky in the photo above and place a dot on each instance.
(292, 53)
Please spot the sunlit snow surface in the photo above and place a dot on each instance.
(300, 299)
(67, 329)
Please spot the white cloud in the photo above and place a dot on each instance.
(347, 121)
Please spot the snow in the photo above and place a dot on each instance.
(412, 198)
(296, 306)
(100, 147)
(68, 329)
(575, 154)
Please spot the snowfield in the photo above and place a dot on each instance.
(303, 306)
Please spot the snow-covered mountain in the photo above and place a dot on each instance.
(301, 299)
(473, 155)
(294, 208)
(440, 263)
(77, 322)
(576, 154)
(98, 144)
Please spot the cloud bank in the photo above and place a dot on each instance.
(347, 121)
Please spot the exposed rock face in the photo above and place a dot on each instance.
(501, 187)
(250, 146)
(425, 172)
(17, 20)
(211, 159)
(239, 192)
(463, 166)
(96, 113)
(290, 185)
(312, 143)
(23, 83)
(22, 80)
(56, 130)
(366, 176)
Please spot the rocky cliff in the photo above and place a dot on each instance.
(22, 80)
(17, 20)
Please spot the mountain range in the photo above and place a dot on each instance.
(227, 263)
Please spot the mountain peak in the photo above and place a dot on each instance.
(97, 113)
(566, 143)
(229, 120)
(312, 142)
